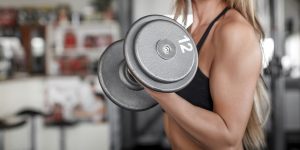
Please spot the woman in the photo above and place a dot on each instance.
(226, 105)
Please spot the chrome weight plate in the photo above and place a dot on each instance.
(112, 77)
(165, 41)
(164, 51)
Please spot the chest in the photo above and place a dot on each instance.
(206, 52)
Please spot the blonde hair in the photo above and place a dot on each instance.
(254, 135)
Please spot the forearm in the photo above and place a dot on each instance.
(205, 126)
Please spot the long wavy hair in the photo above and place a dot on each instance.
(254, 135)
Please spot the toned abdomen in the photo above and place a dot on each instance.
(178, 137)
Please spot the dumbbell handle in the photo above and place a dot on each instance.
(127, 78)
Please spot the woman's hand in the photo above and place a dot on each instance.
(158, 96)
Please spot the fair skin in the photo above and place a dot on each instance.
(231, 58)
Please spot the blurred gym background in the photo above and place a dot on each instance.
(50, 98)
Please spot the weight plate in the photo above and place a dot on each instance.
(110, 64)
(136, 69)
(164, 51)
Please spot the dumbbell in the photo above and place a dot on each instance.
(157, 53)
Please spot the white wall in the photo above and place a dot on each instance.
(21, 93)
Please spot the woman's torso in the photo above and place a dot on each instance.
(178, 137)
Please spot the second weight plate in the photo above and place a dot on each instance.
(110, 63)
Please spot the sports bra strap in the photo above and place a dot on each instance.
(204, 36)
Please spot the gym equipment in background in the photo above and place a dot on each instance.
(9, 123)
(31, 114)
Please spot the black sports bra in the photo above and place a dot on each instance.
(198, 91)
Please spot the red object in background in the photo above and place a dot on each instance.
(56, 114)
(71, 66)
(8, 17)
(95, 41)
(65, 66)
(70, 40)
(90, 42)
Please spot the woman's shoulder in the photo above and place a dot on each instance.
(234, 32)
(234, 37)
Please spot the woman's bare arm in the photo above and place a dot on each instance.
(233, 77)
